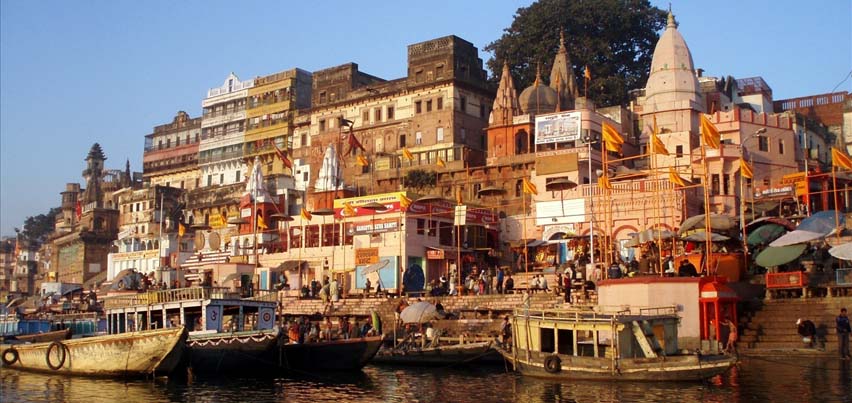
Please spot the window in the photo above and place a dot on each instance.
(463, 134)
(440, 134)
(390, 112)
(463, 103)
(679, 151)
(714, 184)
(763, 143)
(765, 181)
(429, 106)
(518, 187)
(209, 180)
(417, 107)
(401, 140)
(365, 117)
(221, 179)
(304, 140)
(160, 145)
(322, 97)
(322, 125)
(726, 184)
(377, 115)
(421, 226)
(439, 71)
(418, 138)
(781, 147)
(439, 103)
(237, 176)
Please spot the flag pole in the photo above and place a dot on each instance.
(742, 211)
(708, 230)
(836, 208)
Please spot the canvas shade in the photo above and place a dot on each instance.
(765, 233)
(717, 221)
(822, 222)
(771, 220)
(701, 236)
(419, 312)
(796, 237)
(773, 256)
(842, 252)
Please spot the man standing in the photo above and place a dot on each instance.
(500, 275)
(843, 331)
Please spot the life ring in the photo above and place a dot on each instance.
(121, 284)
(9, 361)
(62, 348)
(553, 364)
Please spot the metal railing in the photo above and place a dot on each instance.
(843, 276)
(596, 314)
(187, 294)
(791, 279)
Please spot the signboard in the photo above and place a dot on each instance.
(126, 233)
(213, 318)
(389, 200)
(560, 212)
(384, 272)
(246, 212)
(365, 256)
(553, 230)
(460, 216)
(558, 127)
(265, 318)
(779, 191)
(375, 227)
(434, 254)
(445, 208)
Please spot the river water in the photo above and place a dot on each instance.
(775, 379)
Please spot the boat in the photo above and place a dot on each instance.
(55, 335)
(619, 345)
(441, 355)
(131, 354)
(335, 355)
(15, 329)
(238, 352)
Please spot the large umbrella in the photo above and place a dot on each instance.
(717, 221)
(771, 220)
(817, 226)
(419, 312)
(842, 252)
(773, 256)
(765, 233)
(701, 236)
(381, 264)
(648, 235)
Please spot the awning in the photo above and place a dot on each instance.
(289, 265)
(796, 237)
(701, 236)
(842, 252)
(765, 233)
(531, 243)
(773, 256)
(771, 220)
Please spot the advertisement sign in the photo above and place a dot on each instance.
(445, 208)
(389, 200)
(384, 272)
(558, 128)
(374, 227)
(434, 254)
(365, 256)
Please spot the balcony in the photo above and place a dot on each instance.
(216, 157)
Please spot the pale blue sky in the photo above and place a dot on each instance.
(77, 72)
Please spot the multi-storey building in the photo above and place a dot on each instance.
(171, 153)
(7, 266)
(223, 126)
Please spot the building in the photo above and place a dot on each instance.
(223, 127)
(7, 266)
(171, 153)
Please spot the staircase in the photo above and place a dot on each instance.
(773, 326)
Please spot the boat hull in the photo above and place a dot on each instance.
(247, 352)
(672, 368)
(337, 355)
(42, 337)
(152, 352)
(438, 356)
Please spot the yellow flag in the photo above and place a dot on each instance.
(261, 223)
(603, 183)
(587, 73)
(441, 162)
(181, 229)
(529, 187)
(362, 161)
(657, 146)
(745, 169)
(676, 179)
(306, 215)
(709, 133)
(611, 138)
(407, 154)
(840, 159)
(459, 199)
(404, 201)
(348, 210)
(223, 217)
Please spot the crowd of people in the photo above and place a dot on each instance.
(302, 330)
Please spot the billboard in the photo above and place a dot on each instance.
(558, 127)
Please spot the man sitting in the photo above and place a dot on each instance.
(807, 330)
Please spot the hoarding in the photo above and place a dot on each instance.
(558, 127)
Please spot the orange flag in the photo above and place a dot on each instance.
(529, 187)
(611, 138)
(657, 146)
(441, 163)
(745, 169)
(840, 159)
(404, 201)
(709, 133)
(407, 154)
(676, 179)
(348, 210)
(306, 215)
(604, 183)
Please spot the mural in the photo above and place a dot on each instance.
(384, 272)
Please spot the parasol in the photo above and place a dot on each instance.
(717, 221)
(381, 264)
(776, 256)
(765, 233)
(771, 220)
(419, 312)
(821, 222)
(701, 236)
(842, 252)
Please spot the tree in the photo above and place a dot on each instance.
(615, 38)
(419, 179)
(38, 228)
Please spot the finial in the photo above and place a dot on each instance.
(671, 22)
(537, 74)
(561, 39)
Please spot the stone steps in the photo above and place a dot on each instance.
(773, 325)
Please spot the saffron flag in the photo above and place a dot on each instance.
(459, 199)
(840, 159)
(441, 163)
(306, 215)
(181, 229)
(223, 217)
(362, 161)
(587, 73)
(603, 183)
(261, 223)
(657, 146)
(407, 154)
(676, 179)
(529, 187)
(354, 143)
(283, 155)
(611, 138)
(404, 201)
(709, 133)
(348, 210)
(78, 210)
(745, 169)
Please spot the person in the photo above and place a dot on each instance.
(327, 329)
(293, 332)
(367, 287)
(510, 284)
(324, 293)
(378, 289)
(731, 346)
(614, 271)
(807, 330)
(315, 288)
(334, 289)
(500, 275)
(542, 283)
(843, 331)
(687, 269)
(343, 324)
(535, 285)
(506, 333)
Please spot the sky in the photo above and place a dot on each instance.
(73, 73)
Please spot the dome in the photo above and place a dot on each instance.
(538, 98)
(672, 79)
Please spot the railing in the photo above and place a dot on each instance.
(843, 276)
(794, 279)
(220, 156)
(594, 313)
(186, 294)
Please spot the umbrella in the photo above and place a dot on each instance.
(717, 221)
(419, 312)
(821, 222)
(773, 256)
(701, 236)
(795, 237)
(771, 220)
(381, 264)
(842, 252)
(765, 233)
(648, 235)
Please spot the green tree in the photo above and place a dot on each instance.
(420, 179)
(38, 228)
(615, 38)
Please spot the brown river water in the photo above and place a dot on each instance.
(756, 379)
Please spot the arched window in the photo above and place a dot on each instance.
(519, 185)
(521, 142)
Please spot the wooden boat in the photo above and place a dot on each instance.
(240, 352)
(436, 356)
(621, 346)
(42, 337)
(335, 355)
(130, 354)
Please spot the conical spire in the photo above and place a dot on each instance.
(562, 77)
(506, 102)
(672, 81)
(671, 21)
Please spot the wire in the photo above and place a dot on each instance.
(849, 74)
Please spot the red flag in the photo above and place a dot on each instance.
(354, 143)
(78, 210)
(283, 155)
